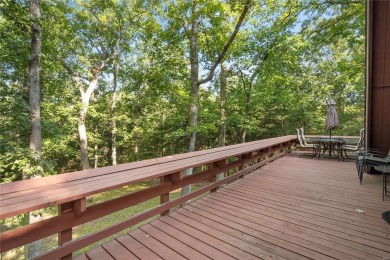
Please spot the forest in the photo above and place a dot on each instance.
(104, 82)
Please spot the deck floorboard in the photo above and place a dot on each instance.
(292, 208)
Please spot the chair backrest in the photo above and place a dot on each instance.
(299, 136)
(361, 139)
(299, 133)
(303, 136)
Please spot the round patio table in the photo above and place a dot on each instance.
(332, 145)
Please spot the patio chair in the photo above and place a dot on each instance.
(370, 158)
(303, 144)
(353, 148)
(303, 137)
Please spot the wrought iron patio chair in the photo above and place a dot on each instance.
(370, 158)
(353, 148)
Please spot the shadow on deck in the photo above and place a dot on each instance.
(292, 208)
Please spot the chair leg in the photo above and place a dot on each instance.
(383, 186)
(361, 172)
(340, 153)
(345, 152)
(358, 166)
(315, 151)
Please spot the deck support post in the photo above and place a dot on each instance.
(243, 157)
(66, 235)
(289, 146)
(239, 168)
(164, 197)
(173, 178)
(217, 164)
(77, 207)
(271, 151)
(280, 148)
(214, 177)
(261, 153)
(283, 147)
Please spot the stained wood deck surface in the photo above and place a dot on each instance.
(292, 208)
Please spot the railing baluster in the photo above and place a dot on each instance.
(66, 235)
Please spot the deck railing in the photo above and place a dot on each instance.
(69, 192)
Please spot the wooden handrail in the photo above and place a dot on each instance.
(69, 192)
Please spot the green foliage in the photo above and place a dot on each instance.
(11, 223)
(288, 57)
(17, 163)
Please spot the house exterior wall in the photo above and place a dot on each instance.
(378, 75)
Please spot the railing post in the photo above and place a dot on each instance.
(271, 150)
(261, 153)
(66, 235)
(173, 178)
(219, 164)
(290, 145)
(77, 206)
(164, 197)
(214, 178)
(281, 147)
(244, 156)
(239, 168)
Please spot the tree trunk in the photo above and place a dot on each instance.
(194, 95)
(83, 144)
(113, 119)
(222, 95)
(194, 92)
(243, 135)
(246, 113)
(96, 150)
(33, 80)
(85, 96)
(96, 156)
(222, 125)
(34, 248)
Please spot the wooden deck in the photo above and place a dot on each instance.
(292, 208)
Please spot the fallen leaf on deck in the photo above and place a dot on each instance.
(360, 211)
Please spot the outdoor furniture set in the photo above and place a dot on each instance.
(332, 147)
(338, 148)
